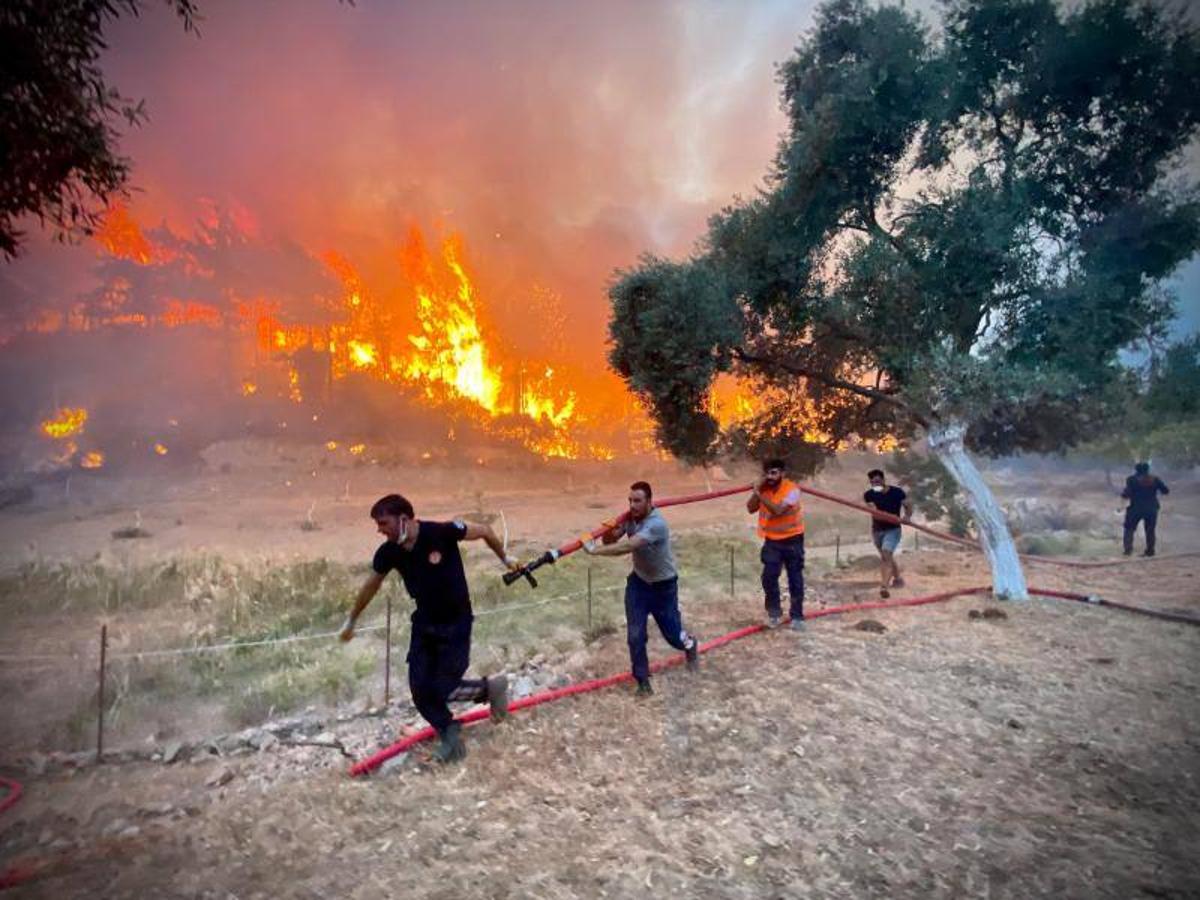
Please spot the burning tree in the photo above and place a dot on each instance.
(960, 231)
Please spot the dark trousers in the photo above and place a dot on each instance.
(661, 600)
(1147, 516)
(777, 556)
(438, 656)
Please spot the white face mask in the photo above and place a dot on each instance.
(877, 488)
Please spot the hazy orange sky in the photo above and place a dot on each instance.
(560, 139)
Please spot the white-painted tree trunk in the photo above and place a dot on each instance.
(1008, 579)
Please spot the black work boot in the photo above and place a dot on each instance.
(497, 697)
(692, 653)
(450, 747)
(643, 688)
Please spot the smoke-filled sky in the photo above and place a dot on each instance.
(560, 139)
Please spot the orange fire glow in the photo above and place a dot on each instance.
(67, 421)
(93, 459)
(429, 333)
(120, 235)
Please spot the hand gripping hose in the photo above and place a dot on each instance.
(552, 556)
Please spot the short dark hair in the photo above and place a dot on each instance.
(391, 505)
(875, 472)
(644, 487)
(1142, 468)
(774, 464)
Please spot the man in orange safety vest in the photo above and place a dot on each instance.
(776, 499)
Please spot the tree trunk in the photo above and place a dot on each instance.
(1008, 580)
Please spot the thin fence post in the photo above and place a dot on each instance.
(589, 595)
(837, 549)
(387, 654)
(916, 541)
(100, 693)
(732, 590)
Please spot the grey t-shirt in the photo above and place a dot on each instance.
(654, 561)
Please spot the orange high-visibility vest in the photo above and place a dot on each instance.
(778, 528)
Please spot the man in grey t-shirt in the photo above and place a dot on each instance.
(652, 588)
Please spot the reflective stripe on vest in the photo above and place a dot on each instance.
(777, 528)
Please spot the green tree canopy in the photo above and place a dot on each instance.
(961, 225)
(58, 138)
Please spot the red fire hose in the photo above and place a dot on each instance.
(14, 793)
(974, 545)
(552, 556)
(365, 766)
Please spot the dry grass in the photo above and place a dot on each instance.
(1051, 753)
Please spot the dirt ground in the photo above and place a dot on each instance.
(1051, 751)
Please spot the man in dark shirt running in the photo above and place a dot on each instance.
(885, 534)
(439, 651)
(1142, 490)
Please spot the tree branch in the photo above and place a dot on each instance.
(880, 396)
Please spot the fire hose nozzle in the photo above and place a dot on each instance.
(526, 570)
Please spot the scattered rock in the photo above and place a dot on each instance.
(227, 743)
(264, 741)
(772, 840)
(990, 613)
(394, 764)
(523, 686)
(1015, 724)
(115, 826)
(870, 625)
(222, 776)
(326, 737)
(171, 752)
(1103, 660)
(131, 533)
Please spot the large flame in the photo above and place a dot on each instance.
(430, 333)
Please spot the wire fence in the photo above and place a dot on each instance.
(138, 689)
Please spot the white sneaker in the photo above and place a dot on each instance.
(772, 622)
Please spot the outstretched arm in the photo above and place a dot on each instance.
(478, 532)
(615, 549)
(365, 595)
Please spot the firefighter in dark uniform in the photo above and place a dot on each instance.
(426, 556)
(1142, 490)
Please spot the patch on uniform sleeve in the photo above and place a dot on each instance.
(435, 557)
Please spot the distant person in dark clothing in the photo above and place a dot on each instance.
(1142, 490)
(885, 534)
